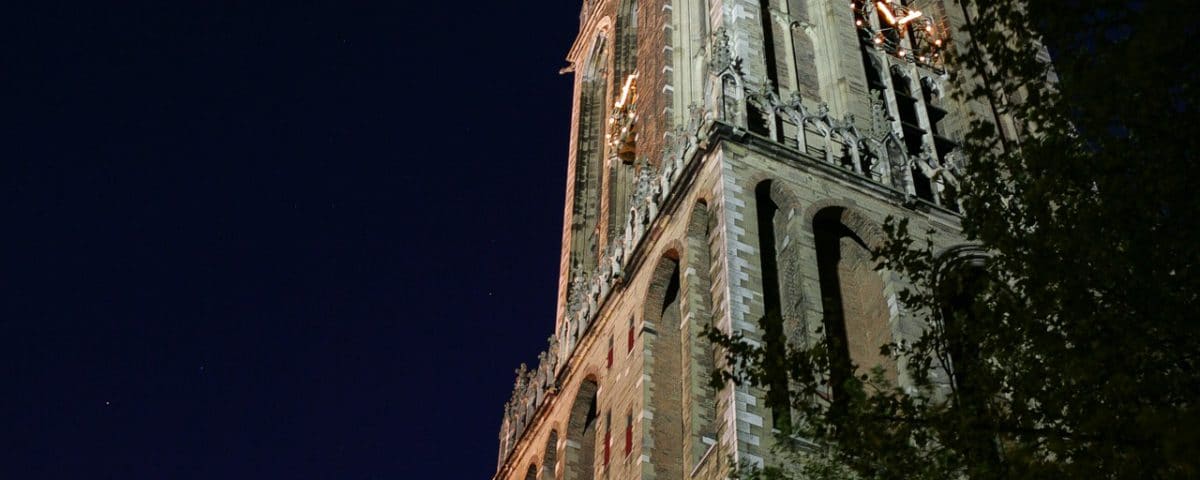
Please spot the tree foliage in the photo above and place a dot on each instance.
(1070, 348)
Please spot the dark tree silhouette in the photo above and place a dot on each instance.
(1068, 346)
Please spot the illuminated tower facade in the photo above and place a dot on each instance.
(731, 163)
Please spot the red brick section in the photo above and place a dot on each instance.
(652, 77)
(866, 313)
(609, 361)
(631, 336)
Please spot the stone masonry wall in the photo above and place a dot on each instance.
(812, 186)
(817, 54)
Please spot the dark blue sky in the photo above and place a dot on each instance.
(300, 241)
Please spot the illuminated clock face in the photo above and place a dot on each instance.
(902, 29)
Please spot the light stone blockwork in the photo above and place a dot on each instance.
(730, 170)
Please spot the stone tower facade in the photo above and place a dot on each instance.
(730, 161)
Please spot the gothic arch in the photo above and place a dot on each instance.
(589, 156)
(782, 305)
(804, 51)
(788, 229)
(857, 319)
(701, 352)
(532, 472)
(580, 450)
(728, 92)
(958, 256)
(867, 229)
(662, 314)
(970, 293)
(604, 25)
(960, 277)
(653, 304)
(550, 456)
(700, 224)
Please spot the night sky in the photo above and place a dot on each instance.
(302, 241)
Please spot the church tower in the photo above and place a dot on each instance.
(730, 164)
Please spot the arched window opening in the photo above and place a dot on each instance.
(581, 434)
(589, 161)
(907, 108)
(760, 119)
(661, 321)
(856, 314)
(965, 290)
(531, 474)
(872, 67)
(960, 290)
(804, 50)
(910, 124)
(768, 34)
(701, 351)
(772, 322)
(550, 457)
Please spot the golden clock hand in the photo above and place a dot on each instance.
(910, 17)
(887, 12)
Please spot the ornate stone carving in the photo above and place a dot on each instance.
(929, 165)
(793, 110)
(616, 253)
(850, 139)
(881, 121)
(664, 185)
(954, 165)
(900, 71)
(696, 118)
(722, 56)
(645, 179)
(897, 161)
(933, 85)
(824, 124)
(871, 154)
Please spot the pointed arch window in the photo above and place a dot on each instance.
(857, 318)
(589, 160)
